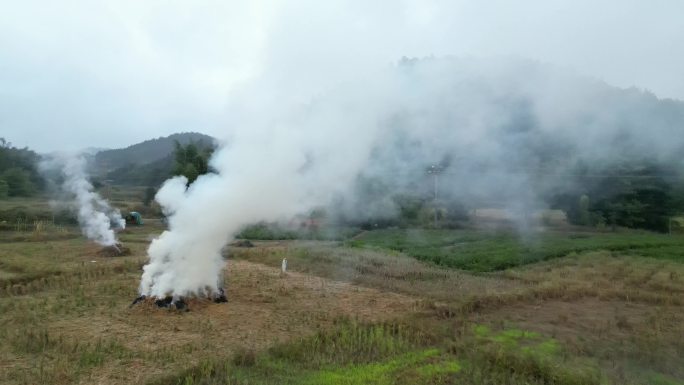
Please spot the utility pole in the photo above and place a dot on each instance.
(434, 170)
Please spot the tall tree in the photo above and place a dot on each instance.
(191, 160)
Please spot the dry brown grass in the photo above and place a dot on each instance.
(378, 269)
(64, 315)
(623, 312)
(607, 276)
(73, 324)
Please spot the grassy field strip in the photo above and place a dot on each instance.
(483, 252)
(48, 265)
(387, 354)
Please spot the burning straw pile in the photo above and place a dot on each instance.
(115, 250)
(178, 302)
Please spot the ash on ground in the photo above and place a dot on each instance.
(117, 250)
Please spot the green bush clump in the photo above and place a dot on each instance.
(268, 231)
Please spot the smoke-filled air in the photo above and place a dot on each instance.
(95, 216)
(504, 130)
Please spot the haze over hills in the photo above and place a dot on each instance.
(546, 134)
(515, 133)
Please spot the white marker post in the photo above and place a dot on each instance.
(283, 266)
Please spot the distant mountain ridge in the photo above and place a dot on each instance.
(146, 152)
(145, 163)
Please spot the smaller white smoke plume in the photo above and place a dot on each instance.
(94, 214)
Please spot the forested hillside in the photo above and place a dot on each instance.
(146, 152)
(18, 171)
(148, 163)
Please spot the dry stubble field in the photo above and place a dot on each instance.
(344, 314)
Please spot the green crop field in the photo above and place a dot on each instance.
(482, 251)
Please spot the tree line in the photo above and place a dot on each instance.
(630, 194)
(19, 176)
(637, 194)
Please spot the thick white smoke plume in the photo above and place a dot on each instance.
(496, 127)
(94, 214)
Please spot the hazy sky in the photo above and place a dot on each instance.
(77, 74)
